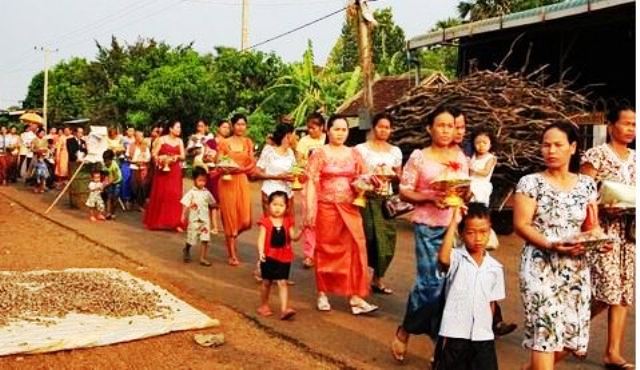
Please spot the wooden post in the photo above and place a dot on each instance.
(244, 42)
(365, 23)
(64, 190)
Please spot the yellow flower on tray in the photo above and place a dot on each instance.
(453, 183)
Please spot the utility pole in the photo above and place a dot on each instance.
(46, 51)
(244, 43)
(366, 22)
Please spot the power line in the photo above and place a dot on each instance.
(122, 26)
(297, 28)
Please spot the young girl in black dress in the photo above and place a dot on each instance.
(274, 247)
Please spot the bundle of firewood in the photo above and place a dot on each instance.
(516, 107)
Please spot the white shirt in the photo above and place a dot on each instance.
(373, 158)
(198, 202)
(27, 137)
(273, 164)
(470, 290)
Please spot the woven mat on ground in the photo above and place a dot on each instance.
(46, 311)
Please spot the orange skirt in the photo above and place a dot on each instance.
(340, 253)
(235, 204)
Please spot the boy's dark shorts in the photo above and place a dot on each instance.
(112, 191)
(464, 354)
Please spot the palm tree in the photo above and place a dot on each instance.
(316, 89)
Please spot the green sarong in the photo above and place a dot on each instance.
(381, 236)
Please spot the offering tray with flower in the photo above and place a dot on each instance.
(594, 239)
(296, 171)
(164, 161)
(382, 176)
(456, 190)
(362, 186)
(226, 163)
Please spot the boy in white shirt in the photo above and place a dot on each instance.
(197, 204)
(475, 280)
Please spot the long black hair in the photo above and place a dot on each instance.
(444, 108)
(282, 130)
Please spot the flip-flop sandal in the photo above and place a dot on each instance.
(233, 262)
(288, 314)
(205, 263)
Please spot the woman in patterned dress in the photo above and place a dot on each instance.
(550, 206)
(612, 274)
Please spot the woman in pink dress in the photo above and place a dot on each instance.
(164, 210)
(340, 253)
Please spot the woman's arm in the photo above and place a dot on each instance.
(487, 168)
(444, 255)
(588, 169)
(156, 148)
(182, 156)
(524, 209)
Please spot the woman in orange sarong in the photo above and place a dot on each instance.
(235, 196)
(62, 156)
(340, 254)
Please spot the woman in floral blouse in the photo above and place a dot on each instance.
(612, 274)
(551, 206)
(430, 218)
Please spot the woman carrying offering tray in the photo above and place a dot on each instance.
(432, 179)
(236, 160)
(551, 209)
(612, 274)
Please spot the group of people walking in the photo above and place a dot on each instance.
(455, 296)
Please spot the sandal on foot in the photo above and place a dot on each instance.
(398, 349)
(205, 263)
(287, 314)
(93, 219)
(233, 262)
(264, 311)
(381, 289)
(362, 308)
(501, 329)
(622, 366)
(323, 303)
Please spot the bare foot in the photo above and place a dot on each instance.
(264, 311)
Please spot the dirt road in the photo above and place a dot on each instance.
(359, 342)
(29, 242)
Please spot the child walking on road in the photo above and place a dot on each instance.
(475, 280)
(197, 204)
(95, 203)
(274, 247)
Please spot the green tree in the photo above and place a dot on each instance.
(35, 92)
(314, 89)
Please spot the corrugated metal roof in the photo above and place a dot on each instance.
(531, 16)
